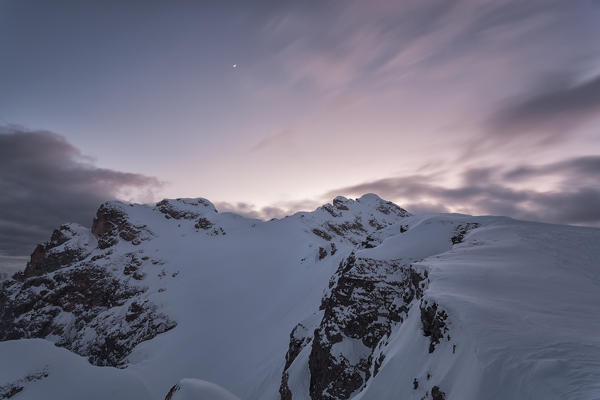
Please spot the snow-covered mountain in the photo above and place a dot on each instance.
(355, 300)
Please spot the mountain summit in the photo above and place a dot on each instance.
(357, 299)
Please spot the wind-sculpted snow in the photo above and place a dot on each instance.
(355, 300)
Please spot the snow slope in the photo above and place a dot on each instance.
(521, 302)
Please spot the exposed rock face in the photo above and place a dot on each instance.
(284, 389)
(184, 208)
(462, 230)
(437, 394)
(73, 306)
(112, 223)
(434, 323)
(73, 293)
(299, 338)
(356, 221)
(174, 389)
(13, 388)
(366, 299)
(60, 250)
(84, 289)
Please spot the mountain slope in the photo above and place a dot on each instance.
(356, 299)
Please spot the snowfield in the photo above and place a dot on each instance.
(232, 307)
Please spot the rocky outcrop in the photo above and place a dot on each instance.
(365, 300)
(462, 230)
(75, 293)
(355, 222)
(437, 394)
(72, 306)
(54, 254)
(11, 389)
(185, 208)
(112, 223)
(434, 324)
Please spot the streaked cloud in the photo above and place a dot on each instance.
(553, 112)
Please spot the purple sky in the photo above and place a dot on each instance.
(476, 106)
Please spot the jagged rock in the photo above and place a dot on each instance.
(437, 394)
(351, 221)
(284, 389)
(434, 324)
(321, 234)
(299, 338)
(59, 251)
(68, 293)
(329, 208)
(462, 230)
(365, 300)
(184, 208)
(203, 223)
(112, 223)
(173, 390)
(71, 304)
(333, 249)
(11, 389)
(340, 203)
(195, 389)
(322, 253)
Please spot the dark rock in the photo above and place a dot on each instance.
(44, 260)
(174, 389)
(170, 211)
(11, 389)
(387, 207)
(110, 224)
(339, 204)
(298, 340)
(437, 394)
(434, 324)
(333, 249)
(322, 253)
(84, 292)
(330, 210)
(462, 230)
(203, 223)
(366, 299)
(321, 234)
(284, 390)
(375, 224)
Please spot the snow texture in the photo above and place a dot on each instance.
(238, 305)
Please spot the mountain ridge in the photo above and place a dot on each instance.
(317, 305)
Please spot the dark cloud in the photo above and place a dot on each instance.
(491, 191)
(550, 113)
(581, 167)
(46, 181)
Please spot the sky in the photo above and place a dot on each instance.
(471, 106)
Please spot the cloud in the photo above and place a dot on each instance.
(551, 112)
(580, 167)
(277, 210)
(492, 191)
(46, 181)
(282, 139)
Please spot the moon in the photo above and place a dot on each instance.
(234, 65)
